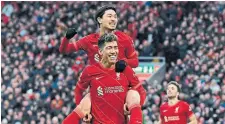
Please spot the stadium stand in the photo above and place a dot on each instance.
(37, 81)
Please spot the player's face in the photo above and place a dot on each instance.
(110, 52)
(109, 19)
(172, 91)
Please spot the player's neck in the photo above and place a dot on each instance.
(173, 101)
(106, 65)
(103, 31)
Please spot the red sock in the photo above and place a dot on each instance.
(74, 117)
(135, 114)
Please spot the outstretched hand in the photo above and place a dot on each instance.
(70, 33)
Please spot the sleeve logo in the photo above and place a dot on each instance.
(189, 108)
(96, 57)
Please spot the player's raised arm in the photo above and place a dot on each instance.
(132, 58)
(67, 47)
(134, 83)
(132, 61)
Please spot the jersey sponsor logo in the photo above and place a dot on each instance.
(176, 109)
(171, 118)
(115, 89)
(100, 91)
(96, 57)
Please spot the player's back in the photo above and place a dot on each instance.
(108, 92)
(175, 114)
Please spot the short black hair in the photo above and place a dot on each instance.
(176, 84)
(102, 10)
(107, 37)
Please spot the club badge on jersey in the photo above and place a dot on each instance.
(176, 110)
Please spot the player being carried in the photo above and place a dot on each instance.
(109, 88)
(175, 111)
(107, 20)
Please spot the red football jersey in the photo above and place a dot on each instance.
(108, 92)
(176, 114)
(90, 45)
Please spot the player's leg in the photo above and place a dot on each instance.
(85, 105)
(83, 109)
(72, 118)
(133, 104)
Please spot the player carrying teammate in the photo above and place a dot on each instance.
(175, 111)
(109, 88)
(107, 21)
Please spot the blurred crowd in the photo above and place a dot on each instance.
(37, 81)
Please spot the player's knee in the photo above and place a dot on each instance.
(133, 98)
(85, 104)
(86, 99)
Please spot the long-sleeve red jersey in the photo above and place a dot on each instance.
(90, 45)
(175, 114)
(108, 91)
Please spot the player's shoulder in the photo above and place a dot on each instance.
(117, 32)
(92, 70)
(163, 105)
(183, 103)
(93, 37)
(122, 35)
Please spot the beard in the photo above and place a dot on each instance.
(171, 97)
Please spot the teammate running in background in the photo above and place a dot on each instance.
(109, 89)
(175, 111)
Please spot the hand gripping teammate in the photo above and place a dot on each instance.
(109, 89)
